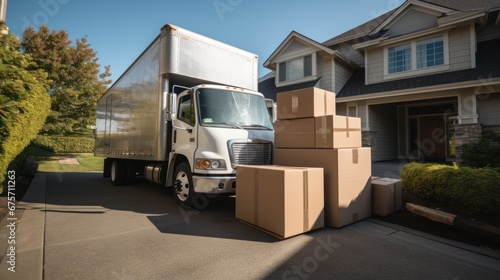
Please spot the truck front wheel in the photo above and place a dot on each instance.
(183, 185)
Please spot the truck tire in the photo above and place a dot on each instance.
(118, 172)
(183, 186)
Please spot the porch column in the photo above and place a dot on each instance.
(468, 129)
(467, 108)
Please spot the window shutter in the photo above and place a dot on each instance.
(307, 65)
(282, 72)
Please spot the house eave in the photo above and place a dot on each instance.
(462, 17)
(383, 41)
(485, 84)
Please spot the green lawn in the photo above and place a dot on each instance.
(51, 162)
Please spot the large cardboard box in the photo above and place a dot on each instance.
(338, 132)
(305, 103)
(282, 201)
(387, 196)
(347, 180)
(294, 133)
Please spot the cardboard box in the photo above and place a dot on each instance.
(347, 180)
(295, 133)
(282, 201)
(338, 132)
(387, 196)
(305, 103)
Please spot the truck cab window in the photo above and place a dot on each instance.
(186, 110)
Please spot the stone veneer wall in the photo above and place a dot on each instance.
(465, 133)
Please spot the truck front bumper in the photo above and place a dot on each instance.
(204, 184)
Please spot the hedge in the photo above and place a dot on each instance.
(464, 189)
(482, 153)
(65, 144)
(27, 88)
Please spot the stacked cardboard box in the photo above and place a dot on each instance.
(280, 200)
(386, 195)
(308, 133)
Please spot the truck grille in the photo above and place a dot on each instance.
(251, 153)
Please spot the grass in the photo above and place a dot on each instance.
(50, 162)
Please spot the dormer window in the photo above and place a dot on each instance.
(295, 69)
(430, 52)
(416, 58)
(399, 58)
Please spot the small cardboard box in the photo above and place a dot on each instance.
(387, 196)
(282, 201)
(338, 132)
(294, 133)
(347, 180)
(305, 103)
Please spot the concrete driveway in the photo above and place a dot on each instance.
(79, 226)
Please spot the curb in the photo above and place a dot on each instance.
(29, 234)
(471, 226)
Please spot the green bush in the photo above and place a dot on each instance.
(27, 91)
(64, 144)
(482, 153)
(464, 189)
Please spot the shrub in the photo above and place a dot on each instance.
(63, 144)
(482, 153)
(463, 189)
(26, 90)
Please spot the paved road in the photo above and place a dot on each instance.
(94, 230)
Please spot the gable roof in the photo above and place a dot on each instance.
(366, 30)
(308, 41)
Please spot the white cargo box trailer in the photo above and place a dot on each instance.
(184, 114)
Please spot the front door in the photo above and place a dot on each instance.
(432, 138)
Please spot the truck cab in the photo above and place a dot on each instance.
(215, 128)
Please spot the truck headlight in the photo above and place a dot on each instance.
(205, 163)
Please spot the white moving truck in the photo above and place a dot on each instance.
(184, 114)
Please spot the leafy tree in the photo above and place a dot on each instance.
(74, 72)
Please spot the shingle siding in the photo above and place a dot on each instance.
(325, 72)
(488, 112)
(375, 65)
(460, 48)
(342, 75)
(489, 32)
(382, 121)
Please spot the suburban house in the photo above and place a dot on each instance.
(424, 78)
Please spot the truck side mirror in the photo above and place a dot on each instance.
(171, 110)
(275, 112)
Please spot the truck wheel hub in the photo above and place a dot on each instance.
(182, 186)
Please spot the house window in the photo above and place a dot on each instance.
(295, 69)
(399, 58)
(430, 52)
(417, 57)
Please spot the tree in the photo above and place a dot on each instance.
(74, 72)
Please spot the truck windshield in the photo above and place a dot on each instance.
(233, 109)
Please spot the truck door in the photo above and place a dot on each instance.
(184, 132)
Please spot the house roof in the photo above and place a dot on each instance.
(269, 63)
(487, 67)
(361, 32)
(487, 60)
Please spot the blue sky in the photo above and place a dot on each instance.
(120, 30)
